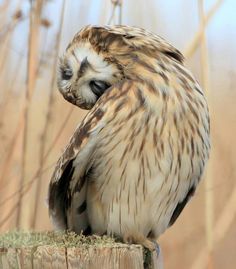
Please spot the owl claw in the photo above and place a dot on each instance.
(157, 248)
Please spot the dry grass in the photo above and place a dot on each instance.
(47, 121)
(35, 124)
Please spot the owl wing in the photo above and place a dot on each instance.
(69, 177)
(67, 189)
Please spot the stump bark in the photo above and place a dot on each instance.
(81, 256)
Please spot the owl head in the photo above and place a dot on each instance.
(85, 72)
(98, 57)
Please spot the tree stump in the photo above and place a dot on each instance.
(69, 251)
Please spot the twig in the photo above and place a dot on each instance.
(112, 14)
(22, 191)
(120, 13)
(209, 209)
(188, 52)
(46, 25)
(10, 214)
(222, 225)
(15, 137)
(9, 27)
(115, 4)
(4, 6)
(45, 157)
(5, 38)
(13, 143)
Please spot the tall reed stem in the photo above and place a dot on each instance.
(33, 43)
(48, 117)
(209, 209)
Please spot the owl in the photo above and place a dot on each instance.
(137, 157)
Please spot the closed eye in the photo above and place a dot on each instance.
(66, 74)
(98, 87)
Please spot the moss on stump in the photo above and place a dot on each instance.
(68, 250)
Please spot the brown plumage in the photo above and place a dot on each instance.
(135, 160)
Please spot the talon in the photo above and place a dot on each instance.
(157, 248)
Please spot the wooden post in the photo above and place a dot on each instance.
(64, 255)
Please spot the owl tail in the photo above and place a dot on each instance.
(67, 201)
(77, 218)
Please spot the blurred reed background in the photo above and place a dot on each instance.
(36, 122)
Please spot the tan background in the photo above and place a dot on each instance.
(33, 133)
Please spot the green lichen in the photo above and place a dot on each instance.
(66, 239)
(147, 258)
(19, 239)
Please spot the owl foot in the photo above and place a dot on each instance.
(157, 248)
(152, 245)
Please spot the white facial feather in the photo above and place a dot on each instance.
(79, 87)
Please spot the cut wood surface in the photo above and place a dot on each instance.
(70, 251)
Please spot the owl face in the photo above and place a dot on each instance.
(84, 75)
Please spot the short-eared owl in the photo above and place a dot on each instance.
(136, 159)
